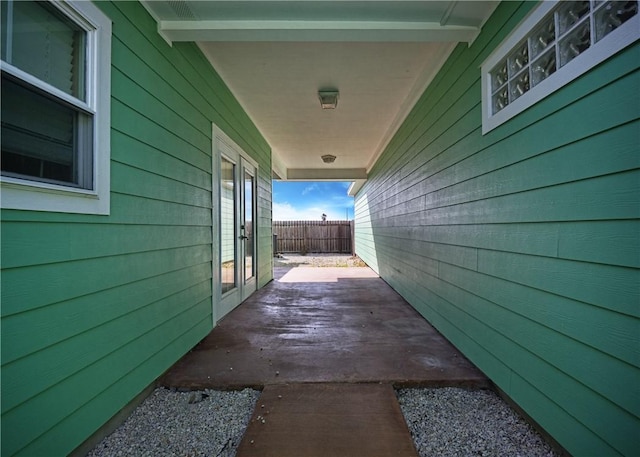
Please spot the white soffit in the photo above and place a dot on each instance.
(276, 55)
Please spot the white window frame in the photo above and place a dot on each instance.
(615, 41)
(25, 194)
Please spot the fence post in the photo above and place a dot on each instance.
(353, 237)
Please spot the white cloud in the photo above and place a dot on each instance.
(310, 188)
(286, 212)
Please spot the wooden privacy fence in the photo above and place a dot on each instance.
(313, 236)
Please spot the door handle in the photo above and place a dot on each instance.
(242, 237)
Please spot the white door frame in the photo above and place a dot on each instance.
(222, 145)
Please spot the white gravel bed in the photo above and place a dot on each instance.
(318, 260)
(443, 422)
(459, 422)
(207, 423)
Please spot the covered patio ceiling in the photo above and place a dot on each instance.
(276, 55)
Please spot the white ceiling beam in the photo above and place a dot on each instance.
(325, 174)
(447, 14)
(355, 187)
(314, 31)
(277, 166)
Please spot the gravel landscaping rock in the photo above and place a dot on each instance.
(443, 422)
(206, 423)
(459, 422)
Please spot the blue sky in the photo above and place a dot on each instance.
(306, 201)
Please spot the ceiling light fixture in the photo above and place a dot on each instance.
(328, 158)
(328, 99)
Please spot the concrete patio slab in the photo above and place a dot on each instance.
(314, 325)
(338, 420)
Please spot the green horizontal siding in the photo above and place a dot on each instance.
(608, 242)
(95, 308)
(264, 218)
(106, 305)
(80, 424)
(27, 248)
(522, 246)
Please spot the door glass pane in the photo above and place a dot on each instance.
(227, 226)
(248, 226)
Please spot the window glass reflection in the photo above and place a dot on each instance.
(227, 226)
(248, 226)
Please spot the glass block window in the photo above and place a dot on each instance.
(541, 54)
(54, 102)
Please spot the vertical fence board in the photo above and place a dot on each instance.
(314, 236)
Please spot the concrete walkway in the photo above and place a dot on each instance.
(320, 420)
(325, 342)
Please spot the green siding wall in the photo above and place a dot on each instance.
(94, 308)
(522, 246)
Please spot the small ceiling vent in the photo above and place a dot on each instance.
(181, 8)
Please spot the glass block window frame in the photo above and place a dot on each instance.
(91, 97)
(555, 44)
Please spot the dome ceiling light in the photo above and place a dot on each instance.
(328, 99)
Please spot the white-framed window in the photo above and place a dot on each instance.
(56, 95)
(556, 43)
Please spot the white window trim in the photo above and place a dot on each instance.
(623, 36)
(24, 194)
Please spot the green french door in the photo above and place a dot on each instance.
(237, 221)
